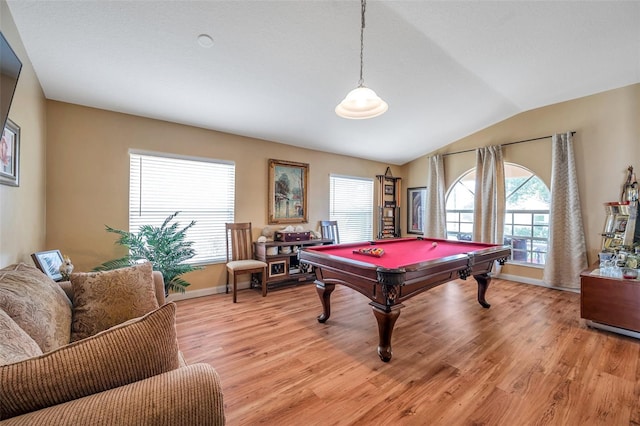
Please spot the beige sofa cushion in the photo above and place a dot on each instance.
(188, 396)
(107, 298)
(37, 304)
(15, 343)
(124, 354)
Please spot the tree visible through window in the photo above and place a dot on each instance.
(526, 217)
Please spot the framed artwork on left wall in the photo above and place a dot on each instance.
(10, 155)
(287, 192)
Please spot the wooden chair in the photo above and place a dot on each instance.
(329, 229)
(240, 258)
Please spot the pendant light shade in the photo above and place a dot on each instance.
(361, 102)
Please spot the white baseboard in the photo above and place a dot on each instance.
(244, 285)
(612, 329)
(173, 297)
(533, 281)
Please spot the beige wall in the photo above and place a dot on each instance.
(606, 142)
(22, 209)
(76, 159)
(88, 177)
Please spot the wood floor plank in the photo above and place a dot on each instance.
(528, 360)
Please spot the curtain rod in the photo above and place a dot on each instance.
(505, 144)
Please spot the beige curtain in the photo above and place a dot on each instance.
(567, 254)
(488, 214)
(435, 225)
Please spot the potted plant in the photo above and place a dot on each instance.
(164, 246)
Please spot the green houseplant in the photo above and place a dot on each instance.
(164, 246)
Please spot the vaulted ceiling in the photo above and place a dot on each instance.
(277, 69)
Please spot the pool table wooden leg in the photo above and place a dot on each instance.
(324, 291)
(386, 320)
(483, 284)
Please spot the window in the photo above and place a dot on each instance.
(526, 217)
(351, 204)
(201, 189)
(526, 222)
(460, 207)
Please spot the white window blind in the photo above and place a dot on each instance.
(200, 189)
(351, 204)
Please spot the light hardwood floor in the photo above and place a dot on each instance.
(528, 360)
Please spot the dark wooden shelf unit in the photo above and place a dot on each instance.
(388, 205)
(284, 268)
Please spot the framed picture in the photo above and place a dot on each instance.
(49, 262)
(416, 201)
(10, 154)
(277, 268)
(287, 192)
(388, 190)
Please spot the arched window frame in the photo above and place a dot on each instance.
(526, 230)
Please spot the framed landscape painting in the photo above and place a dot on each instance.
(287, 192)
(416, 200)
(10, 154)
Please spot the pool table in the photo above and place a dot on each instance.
(407, 267)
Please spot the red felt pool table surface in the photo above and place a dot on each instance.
(402, 252)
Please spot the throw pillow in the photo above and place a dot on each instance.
(121, 355)
(107, 298)
(37, 304)
(15, 343)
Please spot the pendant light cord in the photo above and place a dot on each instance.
(363, 8)
(361, 102)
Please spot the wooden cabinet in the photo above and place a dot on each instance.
(283, 266)
(388, 205)
(611, 301)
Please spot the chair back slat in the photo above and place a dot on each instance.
(239, 241)
(329, 229)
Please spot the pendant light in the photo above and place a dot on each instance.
(361, 102)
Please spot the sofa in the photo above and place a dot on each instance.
(100, 349)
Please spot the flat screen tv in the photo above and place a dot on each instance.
(10, 67)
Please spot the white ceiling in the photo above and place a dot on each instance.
(277, 69)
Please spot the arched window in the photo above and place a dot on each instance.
(526, 227)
